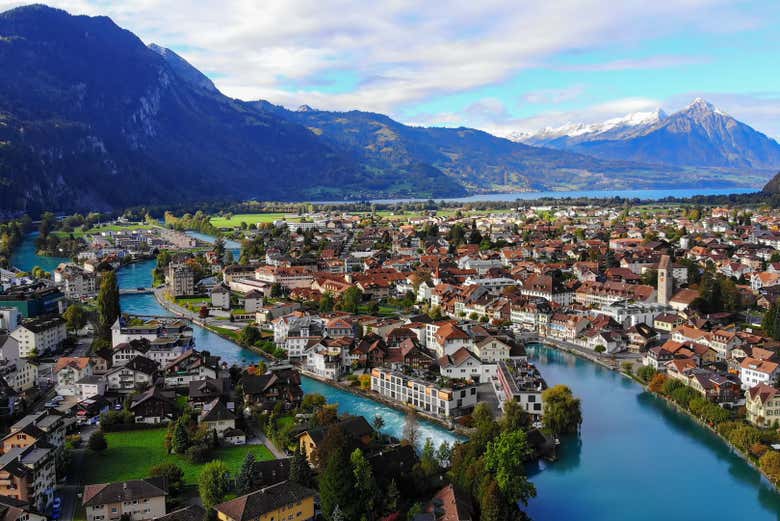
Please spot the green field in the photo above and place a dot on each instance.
(131, 454)
(78, 232)
(251, 219)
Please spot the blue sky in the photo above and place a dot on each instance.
(502, 66)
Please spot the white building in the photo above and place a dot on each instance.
(37, 336)
(428, 397)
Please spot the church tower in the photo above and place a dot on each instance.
(664, 280)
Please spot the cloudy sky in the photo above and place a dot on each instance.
(501, 66)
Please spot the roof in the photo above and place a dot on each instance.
(449, 505)
(188, 513)
(763, 392)
(79, 362)
(103, 493)
(255, 504)
(354, 426)
(216, 411)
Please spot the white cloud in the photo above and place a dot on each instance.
(401, 51)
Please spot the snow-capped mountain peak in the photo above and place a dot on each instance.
(626, 122)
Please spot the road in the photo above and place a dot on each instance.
(73, 484)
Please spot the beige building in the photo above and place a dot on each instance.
(763, 405)
(141, 499)
(181, 279)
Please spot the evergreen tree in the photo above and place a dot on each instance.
(492, 505)
(300, 471)
(181, 437)
(337, 486)
(107, 304)
(244, 480)
(392, 496)
(97, 442)
(771, 321)
(364, 482)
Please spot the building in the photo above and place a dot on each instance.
(753, 372)
(33, 300)
(446, 401)
(521, 382)
(180, 278)
(28, 474)
(217, 417)
(137, 499)
(138, 373)
(75, 282)
(282, 501)
(763, 405)
(69, 371)
(15, 510)
(357, 430)
(37, 336)
(220, 297)
(665, 281)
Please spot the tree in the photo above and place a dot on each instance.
(515, 417)
(107, 304)
(219, 248)
(75, 316)
(97, 442)
(181, 437)
(337, 486)
(492, 505)
(378, 423)
(429, 465)
(300, 471)
(351, 299)
(392, 496)
(411, 427)
(312, 402)
(172, 473)
(326, 302)
(213, 483)
(505, 457)
(365, 483)
(244, 480)
(562, 411)
(771, 321)
(657, 382)
(444, 454)
(249, 336)
(770, 464)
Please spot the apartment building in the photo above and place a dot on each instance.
(446, 401)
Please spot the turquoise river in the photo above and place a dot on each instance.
(636, 458)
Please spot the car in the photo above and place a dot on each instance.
(58, 399)
(57, 503)
(117, 406)
(55, 515)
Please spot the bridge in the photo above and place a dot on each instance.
(136, 291)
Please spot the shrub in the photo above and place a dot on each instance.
(97, 442)
(645, 373)
(198, 454)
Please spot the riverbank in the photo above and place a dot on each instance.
(594, 358)
(369, 395)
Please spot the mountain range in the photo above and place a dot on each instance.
(91, 118)
(700, 135)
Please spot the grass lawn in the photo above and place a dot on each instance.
(251, 219)
(131, 454)
(285, 421)
(232, 333)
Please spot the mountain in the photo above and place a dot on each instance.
(91, 118)
(698, 136)
(479, 161)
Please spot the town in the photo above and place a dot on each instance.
(437, 313)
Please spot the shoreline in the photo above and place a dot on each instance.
(673, 406)
(368, 395)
